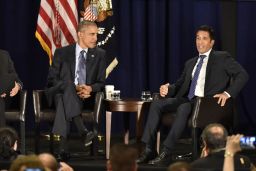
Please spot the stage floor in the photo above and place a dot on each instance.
(81, 159)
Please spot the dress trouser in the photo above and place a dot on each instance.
(181, 106)
(68, 106)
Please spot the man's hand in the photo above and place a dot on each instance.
(205, 152)
(164, 90)
(83, 91)
(233, 144)
(65, 167)
(3, 95)
(15, 89)
(222, 98)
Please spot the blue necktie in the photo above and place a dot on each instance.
(192, 88)
(81, 69)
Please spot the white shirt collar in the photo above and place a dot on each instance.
(206, 53)
(79, 49)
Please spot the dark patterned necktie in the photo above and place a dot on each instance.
(81, 69)
(192, 88)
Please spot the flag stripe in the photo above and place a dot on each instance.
(46, 34)
(70, 13)
(56, 24)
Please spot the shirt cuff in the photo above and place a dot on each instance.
(227, 94)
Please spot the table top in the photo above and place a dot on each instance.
(128, 100)
(125, 104)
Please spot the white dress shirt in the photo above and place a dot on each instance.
(199, 91)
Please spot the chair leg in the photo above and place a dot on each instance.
(95, 142)
(22, 134)
(37, 138)
(51, 143)
(195, 143)
(94, 147)
(158, 137)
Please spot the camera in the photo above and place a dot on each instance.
(248, 142)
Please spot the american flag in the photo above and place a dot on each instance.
(90, 13)
(56, 24)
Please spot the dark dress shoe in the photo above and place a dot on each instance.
(146, 156)
(88, 138)
(63, 156)
(163, 158)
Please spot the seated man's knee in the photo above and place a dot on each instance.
(184, 109)
(69, 87)
(156, 104)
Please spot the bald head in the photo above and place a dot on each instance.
(214, 136)
(48, 161)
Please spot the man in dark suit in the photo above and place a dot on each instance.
(208, 74)
(214, 138)
(10, 83)
(78, 71)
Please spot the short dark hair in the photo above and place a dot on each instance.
(214, 140)
(122, 157)
(208, 29)
(8, 137)
(85, 23)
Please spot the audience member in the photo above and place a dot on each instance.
(51, 163)
(232, 147)
(214, 138)
(8, 143)
(22, 163)
(48, 161)
(122, 158)
(179, 166)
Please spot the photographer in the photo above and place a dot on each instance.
(232, 147)
(214, 139)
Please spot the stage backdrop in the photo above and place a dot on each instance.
(155, 38)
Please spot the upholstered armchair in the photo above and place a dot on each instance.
(15, 111)
(206, 110)
(44, 113)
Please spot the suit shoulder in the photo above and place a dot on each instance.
(66, 48)
(190, 61)
(221, 53)
(100, 50)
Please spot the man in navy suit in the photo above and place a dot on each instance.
(10, 83)
(78, 71)
(208, 74)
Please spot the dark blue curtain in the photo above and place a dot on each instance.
(155, 39)
(246, 42)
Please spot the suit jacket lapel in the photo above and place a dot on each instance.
(191, 67)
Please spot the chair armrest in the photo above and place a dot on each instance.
(206, 110)
(156, 96)
(37, 96)
(98, 104)
(23, 102)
